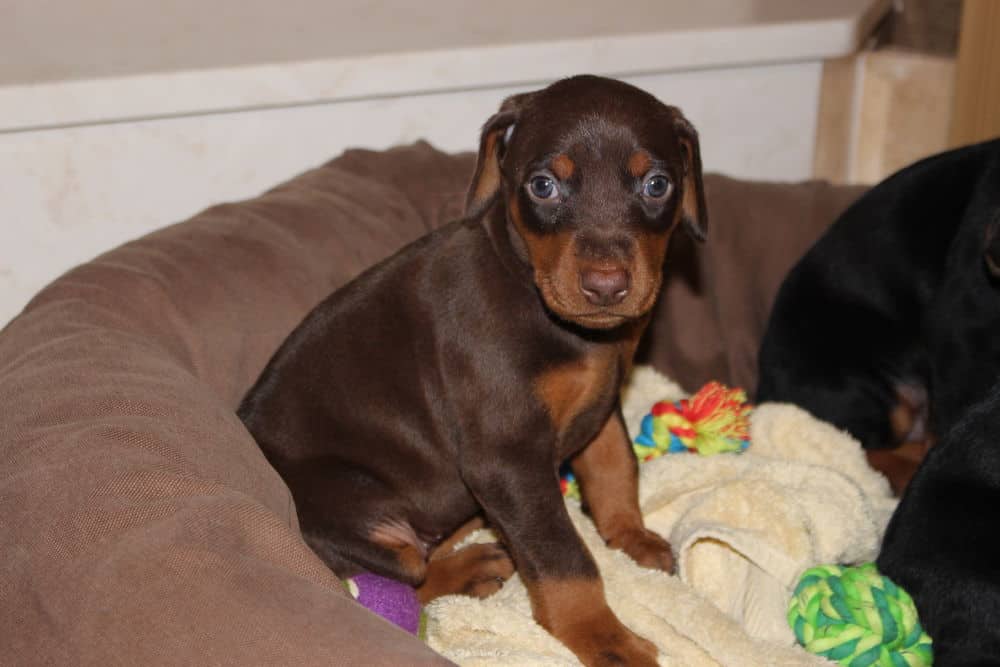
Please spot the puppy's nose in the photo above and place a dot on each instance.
(604, 287)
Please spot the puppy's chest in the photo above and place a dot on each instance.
(580, 395)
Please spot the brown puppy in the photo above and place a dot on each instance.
(453, 378)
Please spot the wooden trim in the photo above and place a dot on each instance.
(836, 119)
(880, 111)
(904, 112)
(976, 105)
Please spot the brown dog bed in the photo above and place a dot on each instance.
(142, 524)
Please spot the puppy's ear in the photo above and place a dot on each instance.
(486, 180)
(991, 251)
(693, 210)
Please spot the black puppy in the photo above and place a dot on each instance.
(943, 544)
(895, 298)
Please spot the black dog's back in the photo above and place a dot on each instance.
(895, 292)
(942, 543)
(899, 291)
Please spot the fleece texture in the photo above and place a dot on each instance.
(743, 527)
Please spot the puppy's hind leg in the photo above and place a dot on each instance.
(390, 549)
(478, 570)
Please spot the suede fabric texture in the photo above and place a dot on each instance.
(142, 525)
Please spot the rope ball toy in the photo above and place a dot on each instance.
(857, 617)
(715, 420)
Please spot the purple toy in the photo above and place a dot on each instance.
(390, 599)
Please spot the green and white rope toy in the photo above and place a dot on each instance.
(857, 617)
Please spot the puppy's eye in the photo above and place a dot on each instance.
(656, 186)
(543, 187)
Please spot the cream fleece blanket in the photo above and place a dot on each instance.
(743, 527)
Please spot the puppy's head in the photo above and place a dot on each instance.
(593, 176)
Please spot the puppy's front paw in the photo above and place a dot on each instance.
(646, 548)
(634, 652)
(615, 646)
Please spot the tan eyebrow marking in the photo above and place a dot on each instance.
(563, 167)
(639, 163)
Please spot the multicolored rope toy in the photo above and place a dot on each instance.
(857, 617)
(714, 420)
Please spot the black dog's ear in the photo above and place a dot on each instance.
(486, 180)
(991, 242)
(693, 210)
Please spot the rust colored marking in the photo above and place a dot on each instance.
(690, 202)
(576, 613)
(399, 536)
(477, 570)
(651, 252)
(609, 480)
(546, 250)
(609, 477)
(563, 167)
(557, 602)
(898, 465)
(908, 418)
(639, 163)
(487, 177)
(569, 389)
